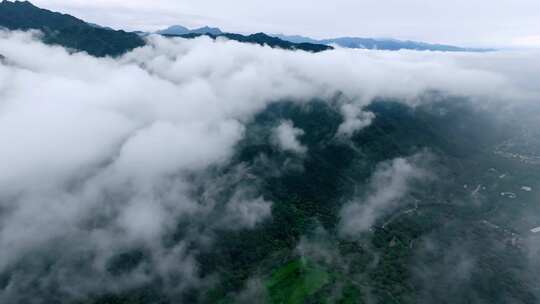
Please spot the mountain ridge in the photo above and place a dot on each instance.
(182, 30)
(380, 44)
(79, 35)
(261, 39)
(66, 30)
(345, 41)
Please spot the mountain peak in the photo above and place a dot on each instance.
(207, 30)
(182, 30)
(18, 3)
(174, 30)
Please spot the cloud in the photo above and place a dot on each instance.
(244, 209)
(354, 120)
(387, 187)
(450, 275)
(103, 157)
(254, 289)
(286, 137)
(320, 249)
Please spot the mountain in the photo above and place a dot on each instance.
(180, 185)
(207, 30)
(76, 34)
(394, 45)
(379, 44)
(182, 30)
(174, 30)
(410, 253)
(296, 38)
(258, 38)
(263, 39)
(96, 40)
(66, 30)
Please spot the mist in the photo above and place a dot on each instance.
(103, 156)
(388, 186)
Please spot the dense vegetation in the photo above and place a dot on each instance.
(442, 245)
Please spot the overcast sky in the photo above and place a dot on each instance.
(462, 22)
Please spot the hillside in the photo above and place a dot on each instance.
(66, 30)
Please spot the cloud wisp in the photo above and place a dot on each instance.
(286, 138)
(388, 186)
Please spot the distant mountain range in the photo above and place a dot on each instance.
(258, 38)
(96, 40)
(346, 42)
(379, 44)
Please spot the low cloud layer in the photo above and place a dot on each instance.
(99, 156)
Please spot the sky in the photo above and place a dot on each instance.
(499, 23)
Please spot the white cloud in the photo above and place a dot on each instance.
(286, 137)
(388, 185)
(354, 119)
(244, 213)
